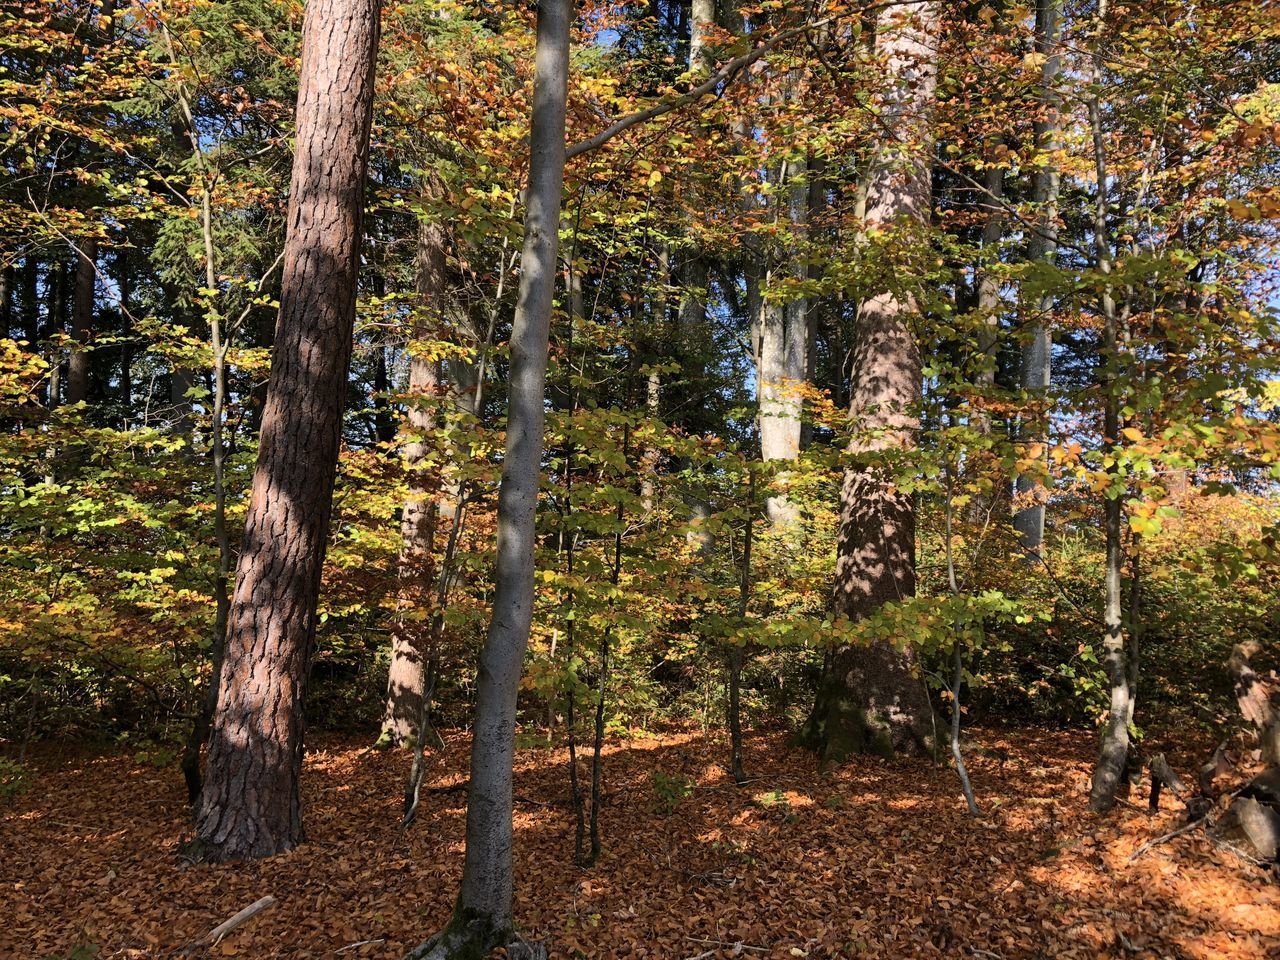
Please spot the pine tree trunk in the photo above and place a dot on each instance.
(870, 700)
(482, 917)
(250, 806)
(410, 637)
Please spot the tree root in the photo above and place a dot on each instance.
(474, 938)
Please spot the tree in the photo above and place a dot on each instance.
(407, 680)
(870, 699)
(1119, 660)
(1037, 351)
(250, 806)
(82, 319)
(482, 916)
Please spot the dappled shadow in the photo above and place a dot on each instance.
(875, 859)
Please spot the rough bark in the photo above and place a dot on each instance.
(1258, 698)
(250, 806)
(1037, 351)
(482, 917)
(410, 636)
(871, 699)
(82, 320)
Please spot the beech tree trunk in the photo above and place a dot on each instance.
(702, 17)
(410, 636)
(250, 804)
(871, 699)
(1037, 350)
(784, 354)
(82, 320)
(482, 917)
(1119, 661)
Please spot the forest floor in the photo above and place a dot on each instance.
(874, 860)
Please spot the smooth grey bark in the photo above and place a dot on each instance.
(702, 18)
(691, 314)
(957, 654)
(988, 282)
(784, 349)
(1118, 661)
(482, 917)
(1037, 352)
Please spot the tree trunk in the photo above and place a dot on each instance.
(784, 350)
(1118, 660)
(871, 699)
(482, 917)
(56, 283)
(702, 18)
(250, 806)
(82, 320)
(1259, 700)
(1037, 351)
(28, 310)
(124, 280)
(7, 276)
(410, 637)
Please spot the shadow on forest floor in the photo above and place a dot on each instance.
(873, 860)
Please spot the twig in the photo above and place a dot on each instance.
(725, 75)
(357, 945)
(735, 944)
(248, 913)
(1186, 827)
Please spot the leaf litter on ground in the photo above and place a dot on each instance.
(874, 860)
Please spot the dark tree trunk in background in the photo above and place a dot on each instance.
(250, 805)
(26, 306)
(384, 424)
(56, 285)
(7, 277)
(124, 278)
(871, 699)
(29, 307)
(410, 636)
(482, 917)
(82, 320)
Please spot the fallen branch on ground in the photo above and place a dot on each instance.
(216, 935)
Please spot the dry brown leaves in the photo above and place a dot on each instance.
(875, 860)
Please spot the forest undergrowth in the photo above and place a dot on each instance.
(872, 860)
